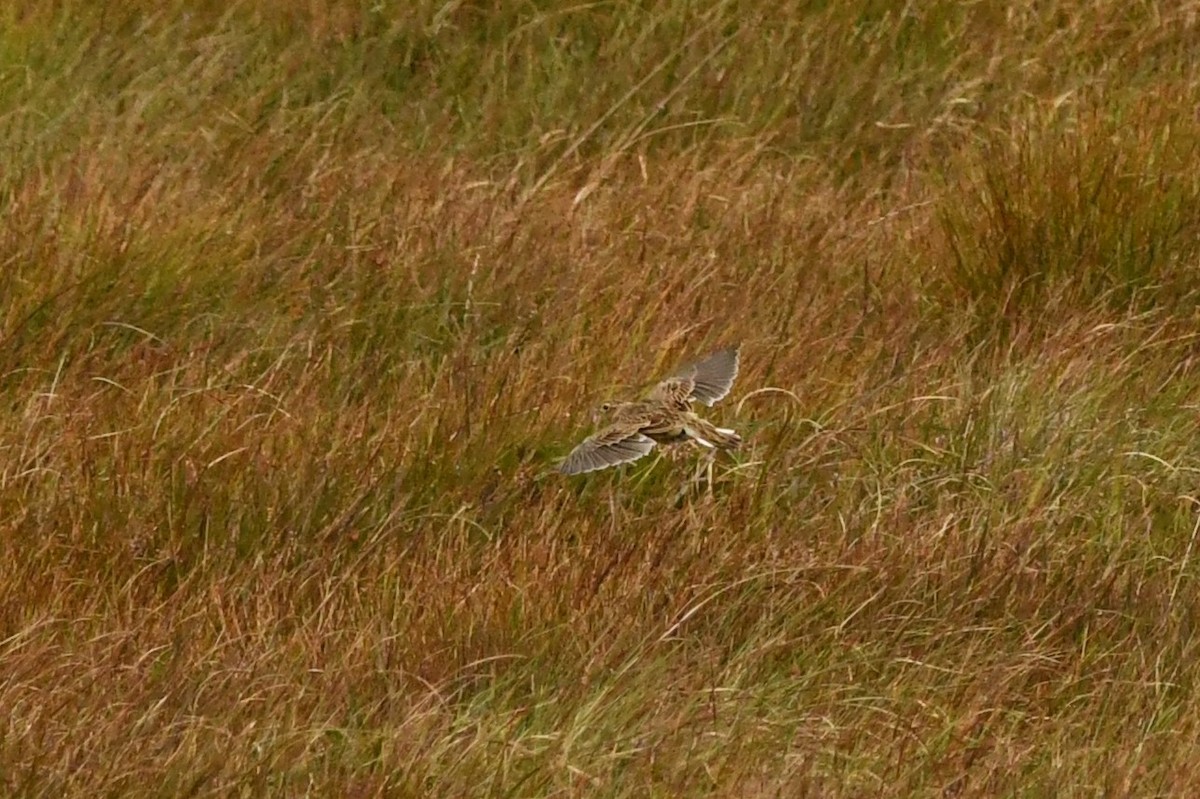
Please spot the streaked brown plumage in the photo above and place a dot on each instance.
(665, 417)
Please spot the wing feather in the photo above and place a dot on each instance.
(611, 446)
(676, 390)
(713, 376)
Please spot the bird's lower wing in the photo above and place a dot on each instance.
(609, 447)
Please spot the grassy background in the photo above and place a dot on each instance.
(299, 303)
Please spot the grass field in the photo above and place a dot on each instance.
(300, 303)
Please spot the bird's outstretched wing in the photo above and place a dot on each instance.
(611, 446)
(711, 377)
(675, 390)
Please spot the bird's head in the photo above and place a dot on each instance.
(603, 411)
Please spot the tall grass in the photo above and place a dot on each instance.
(299, 304)
(1098, 211)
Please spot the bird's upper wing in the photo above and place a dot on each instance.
(619, 443)
(712, 377)
(674, 390)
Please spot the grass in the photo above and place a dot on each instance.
(299, 305)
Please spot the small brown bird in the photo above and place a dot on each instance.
(664, 417)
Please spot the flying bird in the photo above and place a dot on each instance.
(664, 417)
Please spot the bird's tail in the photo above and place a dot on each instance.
(710, 435)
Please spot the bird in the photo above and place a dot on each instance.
(664, 417)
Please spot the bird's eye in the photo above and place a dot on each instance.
(606, 406)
